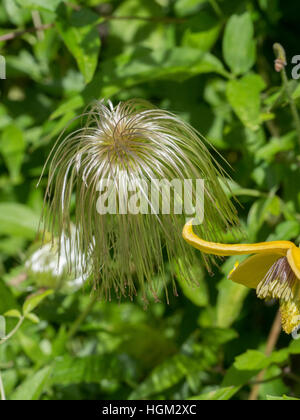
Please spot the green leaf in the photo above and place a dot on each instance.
(202, 31)
(192, 283)
(296, 93)
(12, 245)
(166, 375)
(13, 313)
(244, 97)
(294, 347)
(216, 337)
(31, 346)
(186, 7)
(82, 38)
(283, 398)
(33, 301)
(69, 105)
(239, 49)
(256, 360)
(274, 383)
(33, 386)
(263, 209)
(238, 377)
(285, 231)
(12, 147)
(252, 360)
(33, 318)
(143, 65)
(275, 146)
(10, 379)
(16, 14)
(230, 298)
(25, 64)
(7, 299)
(49, 5)
(279, 357)
(220, 394)
(18, 220)
(69, 370)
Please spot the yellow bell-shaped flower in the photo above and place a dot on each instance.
(273, 270)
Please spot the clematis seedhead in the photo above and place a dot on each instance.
(106, 168)
(51, 269)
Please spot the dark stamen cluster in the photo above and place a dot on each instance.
(280, 282)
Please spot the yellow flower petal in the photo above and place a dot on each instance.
(276, 247)
(293, 257)
(234, 268)
(251, 271)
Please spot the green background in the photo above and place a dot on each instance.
(212, 63)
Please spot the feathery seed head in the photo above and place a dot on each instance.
(115, 164)
(51, 269)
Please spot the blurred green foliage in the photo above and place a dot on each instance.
(211, 62)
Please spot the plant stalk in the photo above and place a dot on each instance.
(20, 322)
(2, 392)
(77, 323)
(281, 58)
(271, 343)
(292, 103)
(216, 7)
(7, 337)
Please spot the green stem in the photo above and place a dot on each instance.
(292, 103)
(12, 331)
(12, 35)
(281, 55)
(216, 7)
(77, 323)
(2, 392)
(271, 344)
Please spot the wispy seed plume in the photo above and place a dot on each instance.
(132, 144)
